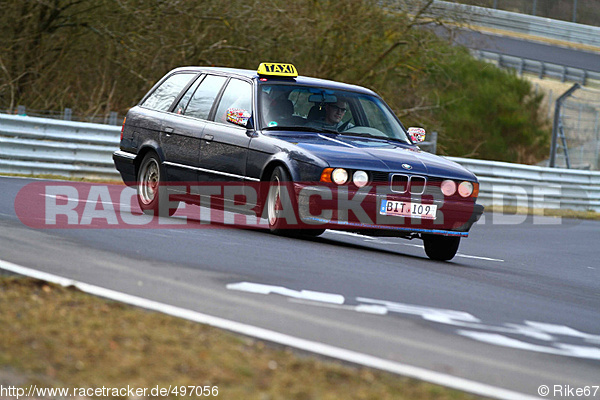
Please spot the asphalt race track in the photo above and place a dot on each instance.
(538, 51)
(519, 307)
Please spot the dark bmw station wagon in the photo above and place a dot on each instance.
(308, 155)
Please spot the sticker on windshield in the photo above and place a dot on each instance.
(273, 123)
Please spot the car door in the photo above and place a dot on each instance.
(184, 128)
(148, 121)
(224, 145)
(180, 139)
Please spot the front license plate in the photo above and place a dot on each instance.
(407, 209)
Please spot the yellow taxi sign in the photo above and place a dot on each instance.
(277, 69)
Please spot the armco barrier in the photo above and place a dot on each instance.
(31, 145)
(540, 68)
(532, 186)
(521, 23)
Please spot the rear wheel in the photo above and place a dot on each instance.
(151, 192)
(441, 248)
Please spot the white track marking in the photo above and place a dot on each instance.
(371, 239)
(439, 378)
(479, 257)
(351, 234)
(469, 324)
(303, 294)
(362, 308)
(562, 349)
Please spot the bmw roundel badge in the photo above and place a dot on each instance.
(406, 166)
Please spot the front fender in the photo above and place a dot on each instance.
(299, 171)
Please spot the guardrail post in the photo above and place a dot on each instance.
(433, 140)
(68, 114)
(556, 124)
(542, 69)
(21, 110)
(521, 66)
(112, 118)
(597, 130)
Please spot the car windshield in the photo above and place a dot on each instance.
(340, 112)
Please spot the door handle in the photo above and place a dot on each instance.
(208, 137)
(169, 131)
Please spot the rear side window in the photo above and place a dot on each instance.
(202, 101)
(185, 99)
(164, 95)
(238, 94)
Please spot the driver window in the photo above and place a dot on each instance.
(237, 94)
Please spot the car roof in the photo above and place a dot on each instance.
(300, 80)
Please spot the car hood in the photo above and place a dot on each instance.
(375, 155)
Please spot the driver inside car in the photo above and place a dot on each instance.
(334, 112)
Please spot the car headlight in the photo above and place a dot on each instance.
(465, 189)
(360, 178)
(448, 187)
(339, 176)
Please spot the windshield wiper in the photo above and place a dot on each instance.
(370, 136)
(300, 128)
(361, 134)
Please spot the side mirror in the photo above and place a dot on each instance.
(238, 116)
(416, 134)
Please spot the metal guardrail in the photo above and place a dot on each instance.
(66, 114)
(532, 186)
(430, 145)
(30, 145)
(540, 68)
(521, 23)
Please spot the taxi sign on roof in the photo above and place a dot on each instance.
(277, 69)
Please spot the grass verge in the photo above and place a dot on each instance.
(60, 337)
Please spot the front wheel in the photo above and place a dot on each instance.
(280, 203)
(441, 248)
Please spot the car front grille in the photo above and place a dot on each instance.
(402, 183)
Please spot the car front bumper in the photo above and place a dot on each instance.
(334, 208)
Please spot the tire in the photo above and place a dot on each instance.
(280, 211)
(441, 248)
(151, 191)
